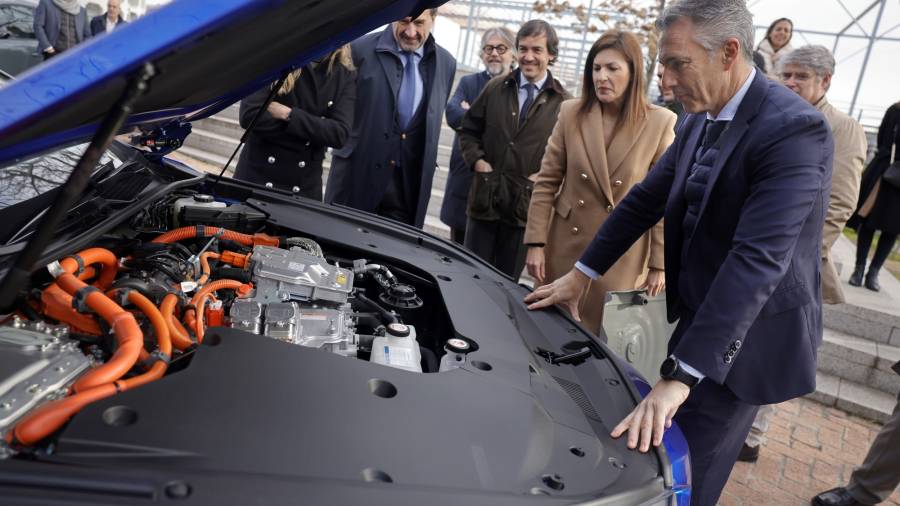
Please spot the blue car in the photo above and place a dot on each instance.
(169, 336)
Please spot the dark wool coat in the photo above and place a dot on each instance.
(361, 171)
(490, 130)
(453, 209)
(885, 214)
(290, 153)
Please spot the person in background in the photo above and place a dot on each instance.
(667, 97)
(59, 25)
(109, 19)
(312, 110)
(807, 71)
(603, 144)
(744, 191)
(776, 44)
(503, 136)
(497, 53)
(879, 204)
(404, 80)
(878, 476)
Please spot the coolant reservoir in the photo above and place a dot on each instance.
(198, 200)
(398, 348)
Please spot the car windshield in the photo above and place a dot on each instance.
(29, 178)
(17, 20)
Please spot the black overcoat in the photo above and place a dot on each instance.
(362, 169)
(885, 215)
(289, 154)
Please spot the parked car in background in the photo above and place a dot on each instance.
(18, 44)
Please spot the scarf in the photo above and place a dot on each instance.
(70, 6)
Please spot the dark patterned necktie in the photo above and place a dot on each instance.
(530, 87)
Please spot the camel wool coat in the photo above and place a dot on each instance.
(579, 184)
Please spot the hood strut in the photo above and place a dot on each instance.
(17, 277)
(259, 113)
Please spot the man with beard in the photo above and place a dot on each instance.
(497, 53)
(502, 138)
(403, 81)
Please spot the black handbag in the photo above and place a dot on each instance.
(892, 174)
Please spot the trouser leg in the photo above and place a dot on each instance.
(878, 476)
(458, 235)
(885, 244)
(760, 425)
(715, 424)
(510, 250)
(863, 242)
(480, 238)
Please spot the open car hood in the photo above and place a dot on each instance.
(206, 55)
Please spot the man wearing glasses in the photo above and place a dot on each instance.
(497, 54)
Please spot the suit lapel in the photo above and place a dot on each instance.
(686, 157)
(592, 137)
(384, 51)
(735, 131)
(621, 145)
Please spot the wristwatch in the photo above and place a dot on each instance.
(671, 370)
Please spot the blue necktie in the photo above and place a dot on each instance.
(407, 95)
(530, 87)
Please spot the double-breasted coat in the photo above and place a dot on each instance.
(578, 186)
(362, 170)
(289, 154)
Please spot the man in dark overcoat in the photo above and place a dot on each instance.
(59, 25)
(497, 54)
(404, 80)
(110, 19)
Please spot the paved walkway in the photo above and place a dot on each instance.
(810, 448)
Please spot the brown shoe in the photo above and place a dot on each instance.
(748, 453)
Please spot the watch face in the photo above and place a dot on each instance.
(668, 367)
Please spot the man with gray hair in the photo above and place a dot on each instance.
(743, 190)
(807, 71)
(497, 53)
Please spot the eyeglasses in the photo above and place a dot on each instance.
(501, 49)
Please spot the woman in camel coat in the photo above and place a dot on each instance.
(602, 145)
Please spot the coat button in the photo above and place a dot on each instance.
(580, 203)
(307, 143)
(392, 163)
(301, 164)
(618, 182)
(330, 103)
(574, 230)
(609, 208)
(511, 143)
(403, 136)
(295, 189)
(271, 160)
(584, 176)
(727, 359)
(269, 185)
(737, 344)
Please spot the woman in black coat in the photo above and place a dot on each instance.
(879, 204)
(312, 110)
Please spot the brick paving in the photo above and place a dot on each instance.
(809, 448)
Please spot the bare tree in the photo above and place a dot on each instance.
(606, 14)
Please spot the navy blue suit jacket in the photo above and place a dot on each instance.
(746, 286)
(98, 24)
(456, 193)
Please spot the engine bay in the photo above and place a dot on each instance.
(134, 308)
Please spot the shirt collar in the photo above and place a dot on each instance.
(539, 84)
(730, 110)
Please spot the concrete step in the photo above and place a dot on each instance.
(221, 125)
(207, 157)
(211, 142)
(860, 361)
(853, 398)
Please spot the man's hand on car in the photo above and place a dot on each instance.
(566, 291)
(650, 419)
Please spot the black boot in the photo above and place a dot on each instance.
(856, 278)
(872, 280)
